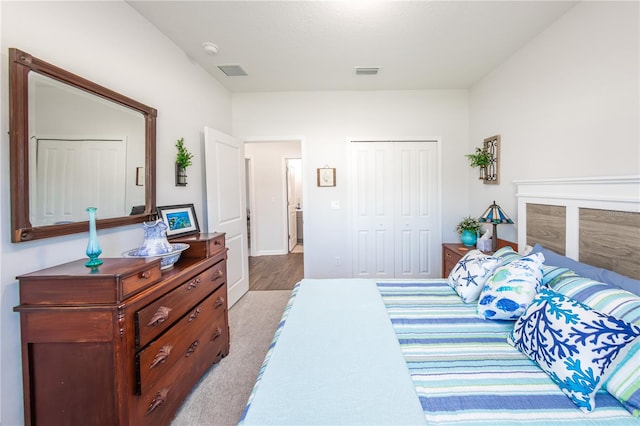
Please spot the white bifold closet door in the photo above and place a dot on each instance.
(395, 209)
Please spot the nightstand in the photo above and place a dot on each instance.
(451, 254)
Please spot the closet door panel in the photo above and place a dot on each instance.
(395, 209)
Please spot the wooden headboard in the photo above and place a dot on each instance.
(593, 220)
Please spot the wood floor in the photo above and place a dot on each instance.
(275, 272)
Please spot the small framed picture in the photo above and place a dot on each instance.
(181, 220)
(327, 176)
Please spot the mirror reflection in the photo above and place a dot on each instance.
(84, 151)
(75, 144)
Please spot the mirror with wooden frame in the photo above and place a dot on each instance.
(75, 144)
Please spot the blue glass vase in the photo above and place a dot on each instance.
(468, 238)
(93, 247)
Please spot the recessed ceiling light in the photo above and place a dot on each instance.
(210, 48)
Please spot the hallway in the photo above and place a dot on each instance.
(280, 272)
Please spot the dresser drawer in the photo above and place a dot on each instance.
(205, 322)
(163, 394)
(203, 245)
(450, 262)
(156, 317)
(141, 280)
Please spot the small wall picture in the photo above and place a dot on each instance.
(326, 176)
(181, 220)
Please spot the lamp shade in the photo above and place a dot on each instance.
(495, 214)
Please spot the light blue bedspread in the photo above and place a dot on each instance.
(337, 362)
(356, 352)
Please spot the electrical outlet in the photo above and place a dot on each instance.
(338, 261)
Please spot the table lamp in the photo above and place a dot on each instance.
(495, 215)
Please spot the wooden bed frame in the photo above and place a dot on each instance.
(592, 220)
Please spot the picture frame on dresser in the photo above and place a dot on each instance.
(181, 220)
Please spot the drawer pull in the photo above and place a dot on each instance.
(217, 274)
(195, 314)
(193, 284)
(161, 315)
(145, 274)
(192, 348)
(216, 334)
(219, 302)
(161, 356)
(217, 243)
(158, 400)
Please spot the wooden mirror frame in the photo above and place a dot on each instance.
(20, 65)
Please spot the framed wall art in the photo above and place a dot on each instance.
(181, 220)
(326, 176)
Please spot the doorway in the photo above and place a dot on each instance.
(294, 205)
(274, 185)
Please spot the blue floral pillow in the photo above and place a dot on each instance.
(470, 274)
(511, 288)
(575, 345)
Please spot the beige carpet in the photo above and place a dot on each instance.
(221, 395)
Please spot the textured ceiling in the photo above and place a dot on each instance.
(315, 45)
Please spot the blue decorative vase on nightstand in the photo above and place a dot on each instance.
(468, 238)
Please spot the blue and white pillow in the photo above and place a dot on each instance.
(511, 288)
(575, 345)
(470, 274)
(550, 273)
(624, 380)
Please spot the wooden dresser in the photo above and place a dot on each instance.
(124, 345)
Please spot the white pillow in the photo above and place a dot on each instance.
(470, 274)
(511, 288)
(575, 345)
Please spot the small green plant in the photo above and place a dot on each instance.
(183, 159)
(480, 158)
(469, 224)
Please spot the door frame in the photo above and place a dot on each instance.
(349, 169)
(286, 184)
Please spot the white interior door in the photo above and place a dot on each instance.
(395, 211)
(415, 210)
(372, 198)
(226, 205)
(291, 206)
(75, 174)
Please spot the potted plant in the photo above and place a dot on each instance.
(183, 160)
(468, 229)
(480, 158)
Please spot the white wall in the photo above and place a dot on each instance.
(326, 121)
(566, 105)
(269, 200)
(112, 45)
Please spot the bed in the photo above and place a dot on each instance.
(366, 352)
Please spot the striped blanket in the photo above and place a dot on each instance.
(464, 371)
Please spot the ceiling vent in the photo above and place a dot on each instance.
(367, 70)
(232, 70)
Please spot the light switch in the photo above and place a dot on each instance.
(335, 204)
